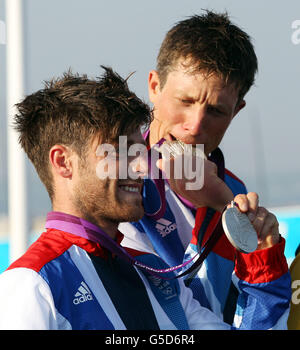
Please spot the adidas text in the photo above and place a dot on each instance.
(164, 227)
(83, 294)
(82, 299)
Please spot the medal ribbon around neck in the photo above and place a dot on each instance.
(82, 228)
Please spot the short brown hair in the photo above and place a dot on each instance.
(214, 45)
(71, 110)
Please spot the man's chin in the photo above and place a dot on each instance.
(131, 215)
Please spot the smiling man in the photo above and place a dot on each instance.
(54, 285)
(205, 67)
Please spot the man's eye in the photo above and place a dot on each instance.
(186, 102)
(215, 110)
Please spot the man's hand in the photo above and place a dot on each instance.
(264, 222)
(214, 193)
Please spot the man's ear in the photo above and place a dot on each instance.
(238, 107)
(60, 160)
(153, 86)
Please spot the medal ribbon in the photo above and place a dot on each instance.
(82, 228)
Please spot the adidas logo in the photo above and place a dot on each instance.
(83, 294)
(163, 286)
(164, 227)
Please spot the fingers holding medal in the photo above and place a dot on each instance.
(264, 222)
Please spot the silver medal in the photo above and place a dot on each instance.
(239, 230)
(178, 148)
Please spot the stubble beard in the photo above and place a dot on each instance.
(97, 202)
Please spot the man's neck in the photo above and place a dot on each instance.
(109, 227)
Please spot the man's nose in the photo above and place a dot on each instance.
(194, 122)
